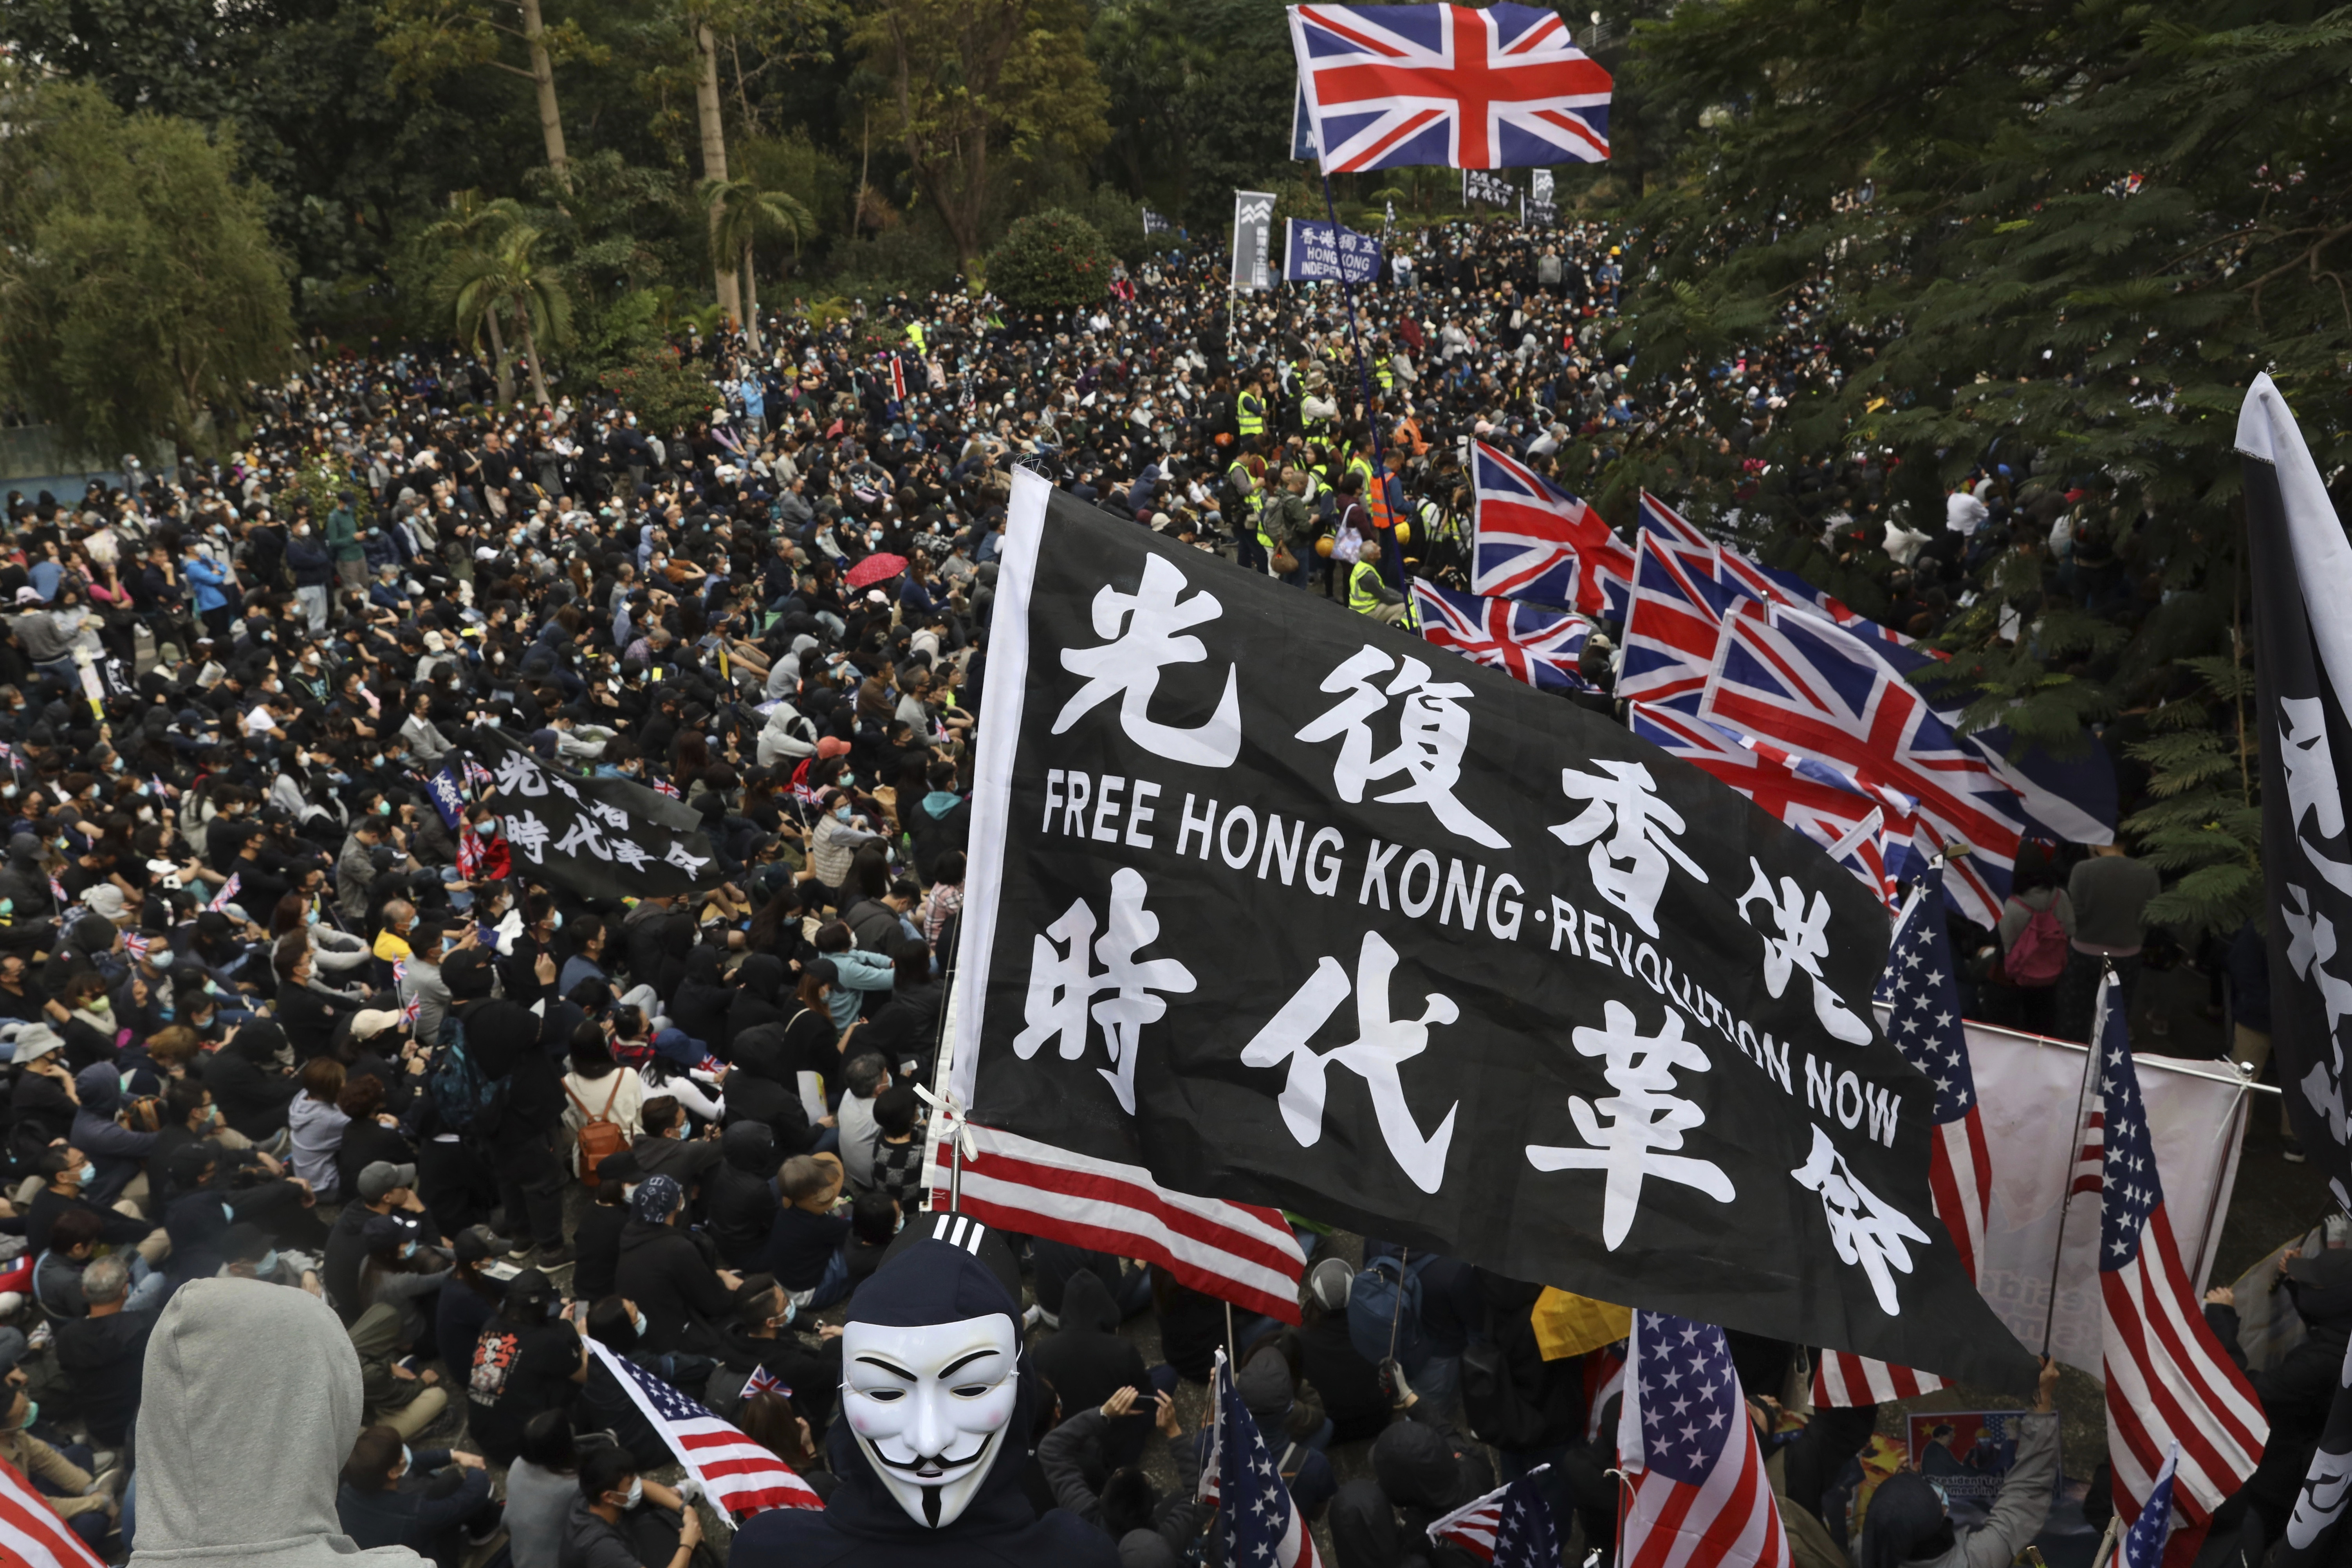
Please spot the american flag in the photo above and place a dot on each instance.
(1695, 1494)
(31, 1532)
(1529, 541)
(1236, 1252)
(2144, 1542)
(1923, 1000)
(1673, 622)
(736, 1473)
(2091, 1157)
(1802, 683)
(2169, 1379)
(1529, 642)
(1510, 1527)
(1391, 86)
(1264, 1528)
(227, 895)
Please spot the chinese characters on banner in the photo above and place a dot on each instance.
(1266, 902)
(604, 838)
(1326, 253)
(1253, 221)
(1481, 186)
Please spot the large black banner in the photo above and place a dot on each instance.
(2303, 647)
(600, 838)
(1291, 908)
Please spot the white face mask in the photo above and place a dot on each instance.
(930, 1403)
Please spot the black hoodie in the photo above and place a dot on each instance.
(863, 1524)
(762, 978)
(736, 1197)
(252, 1093)
(1088, 1361)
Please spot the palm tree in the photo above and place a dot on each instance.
(742, 211)
(469, 232)
(508, 277)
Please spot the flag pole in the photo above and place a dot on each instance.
(1364, 384)
(2066, 1200)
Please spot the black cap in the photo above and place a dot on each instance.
(474, 1244)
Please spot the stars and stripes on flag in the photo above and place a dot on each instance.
(1923, 997)
(2142, 1543)
(1510, 1527)
(2170, 1382)
(1387, 87)
(32, 1532)
(2091, 1155)
(228, 894)
(1236, 1252)
(739, 1476)
(1530, 643)
(1695, 1493)
(1802, 683)
(1263, 1527)
(1531, 540)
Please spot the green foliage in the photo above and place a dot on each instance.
(665, 389)
(319, 482)
(2201, 823)
(140, 292)
(1052, 261)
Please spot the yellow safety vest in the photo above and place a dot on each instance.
(1360, 598)
(1249, 413)
(915, 331)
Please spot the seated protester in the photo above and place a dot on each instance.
(905, 1032)
(88, 1503)
(398, 1272)
(805, 1245)
(760, 1338)
(875, 1219)
(762, 1087)
(898, 1147)
(588, 936)
(384, 1192)
(207, 1180)
(599, 1088)
(116, 1135)
(1288, 1417)
(102, 1354)
(759, 989)
(864, 1077)
(619, 1520)
(1191, 1326)
(597, 1241)
(192, 1119)
(878, 924)
(253, 1090)
(66, 1170)
(1086, 1361)
(468, 1297)
(406, 1401)
(247, 1253)
(1348, 1385)
(856, 978)
(778, 1425)
(530, 1359)
(1056, 1261)
(1126, 1503)
(681, 1296)
(88, 1028)
(1917, 1525)
(57, 1273)
(541, 1485)
(381, 1047)
(604, 1406)
(372, 1135)
(315, 1125)
(738, 1196)
(308, 1012)
(1421, 1471)
(665, 1151)
(44, 1103)
(22, 995)
(435, 1501)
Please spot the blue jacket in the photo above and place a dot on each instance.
(114, 1149)
(211, 581)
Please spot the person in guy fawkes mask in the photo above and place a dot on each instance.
(932, 1443)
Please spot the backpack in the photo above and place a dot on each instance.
(598, 1134)
(469, 1103)
(1388, 1294)
(2038, 956)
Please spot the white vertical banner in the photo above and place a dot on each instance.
(1541, 181)
(1253, 218)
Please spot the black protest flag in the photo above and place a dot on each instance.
(2302, 572)
(2318, 1518)
(1289, 908)
(601, 838)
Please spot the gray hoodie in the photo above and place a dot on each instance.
(252, 1403)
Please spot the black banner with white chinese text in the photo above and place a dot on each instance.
(600, 838)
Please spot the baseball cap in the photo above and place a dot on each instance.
(381, 1176)
(832, 746)
(373, 1021)
(476, 1244)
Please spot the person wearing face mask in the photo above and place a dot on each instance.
(435, 1501)
(313, 569)
(838, 835)
(66, 1171)
(88, 1503)
(664, 1271)
(760, 1338)
(622, 1520)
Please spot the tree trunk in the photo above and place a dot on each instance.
(750, 301)
(530, 347)
(543, 73)
(498, 357)
(714, 153)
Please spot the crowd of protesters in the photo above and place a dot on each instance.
(234, 930)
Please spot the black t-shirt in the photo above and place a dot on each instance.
(517, 1373)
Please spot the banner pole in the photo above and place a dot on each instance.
(1364, 385)
(2081, 1094)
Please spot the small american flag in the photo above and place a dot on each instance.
(1510, 1527)
(1924, 1020)
(31, 1532)
(738, 1475)
(2143, 1544)
(227, 895)
(2169, 1382)
(1264, 1528)
(1696, 1495)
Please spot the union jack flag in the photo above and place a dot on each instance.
(1389, 86)
(1529, 541)
(135, 944)
(1806, 685)
(411, 1010)
(1673, 622)
(227, 895)
(1771, 585)
(1532, 643)
(1667, 524)
(58, 892)
(662, 785)
(469, 854)
(763, 1381)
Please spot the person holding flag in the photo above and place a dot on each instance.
(1909, 1525)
